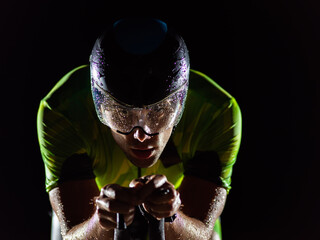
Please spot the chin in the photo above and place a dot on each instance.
(144, 163)
(142, 159)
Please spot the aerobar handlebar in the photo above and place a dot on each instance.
(155, 226)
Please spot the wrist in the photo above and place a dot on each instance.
(176, 227)
(94, 230)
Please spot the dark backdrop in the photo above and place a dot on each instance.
(265, 53)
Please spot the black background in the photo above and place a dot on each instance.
(265, 53)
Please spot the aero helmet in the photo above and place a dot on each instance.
(139, 76)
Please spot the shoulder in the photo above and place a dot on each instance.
(69, 104)
(208, 109)
(75, 82)
(202, 87)
(206, 99)
(71, 96)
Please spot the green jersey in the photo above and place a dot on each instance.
(67, 125)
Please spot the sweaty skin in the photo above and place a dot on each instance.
(195, 216)
(195, 219)
(141, 149)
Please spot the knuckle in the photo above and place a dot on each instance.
(160, 177)
(100, 212)
(128, 218)
(111, 187)
(111, 190)
(164, 177)
(134, 182)
(153, 184)
(146, 178)
(161, 180)
(105, 205)
(98, 202)
(106, 187)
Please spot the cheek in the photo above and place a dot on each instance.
(164, 137)
(119, 139)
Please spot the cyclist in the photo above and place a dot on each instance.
(137, 127)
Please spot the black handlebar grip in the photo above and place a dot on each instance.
(121, 232)
(156, 229)
(155, 226)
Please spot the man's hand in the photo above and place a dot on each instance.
(159, 197)
(116, 199)
(155, 193)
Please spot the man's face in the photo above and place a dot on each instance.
(142, 150)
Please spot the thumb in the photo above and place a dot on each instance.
(135, 183)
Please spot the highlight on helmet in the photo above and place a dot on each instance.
(139, 76)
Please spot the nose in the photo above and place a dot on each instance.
(140, 135)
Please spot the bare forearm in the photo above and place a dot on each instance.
(90, 229)
(198, 226)
(185, 227)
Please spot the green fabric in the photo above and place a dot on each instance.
(67, 124)
(217, 228)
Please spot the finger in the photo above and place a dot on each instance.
(141, 181)
(107, 224)
(114, 206)
(161, 208)
(128, 218)
(164, 194)
(112, 217)
(170, 207)
(156, 214)
(153, 183)
(135, 183)
(106, 219)
(126, 195)
(107, 216)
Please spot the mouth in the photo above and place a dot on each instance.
(143, 153)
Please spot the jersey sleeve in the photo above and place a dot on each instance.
(223, 136)
(58, 141)
(209, 134)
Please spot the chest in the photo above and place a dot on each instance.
(112, 166)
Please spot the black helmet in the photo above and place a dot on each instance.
(138, 62)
